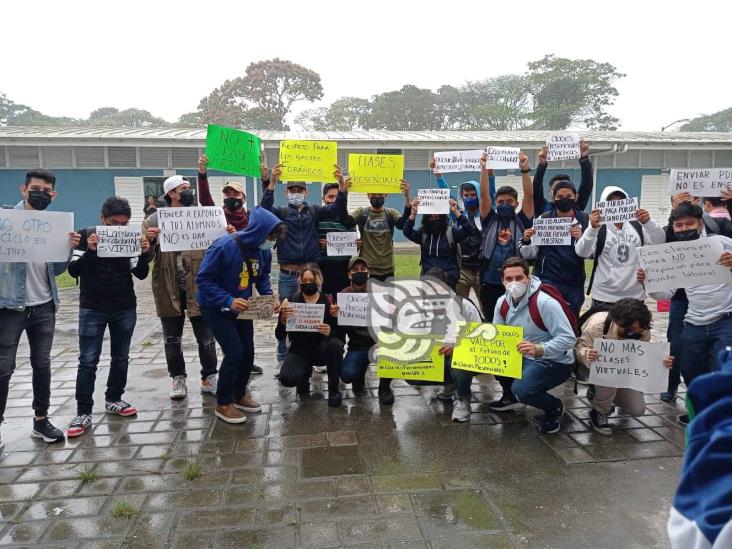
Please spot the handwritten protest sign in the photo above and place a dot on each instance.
(30, 235)
(700, 182)
(552, 231)
(119, 241)
(307, 317)
(341, 243)
(617, 211)
(630, 364)
(233, 151)
(562, 146)
(261, 307)
(497, 356)
(458, 161)
(193, 228)
(376, 173)
(433, 201)
(353, 309)
(308, 160)
(503, 158)
(683, 264)
(430, 368)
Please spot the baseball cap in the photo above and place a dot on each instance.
(356, 259)
(172, 182)
(296, 184)
(235, 185)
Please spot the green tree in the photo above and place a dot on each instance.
(344, 114)
(408, 109)
(127, 118)
(15, 114)
(717, 122)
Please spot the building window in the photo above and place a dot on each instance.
(388, 151)
(153, 186)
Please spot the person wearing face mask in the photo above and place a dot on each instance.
(233, 265)
(174, 290)
(310, 348)
(628, 318)
(707, 326)
(106, 300)
(28, 303)
(541, 206)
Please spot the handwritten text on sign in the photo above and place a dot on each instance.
(458, 161)
(376, 173)
(193, 228)
(233, 151)
(119, 241)
(341, 243)
(552, 231)
(308, 160)
(433, 201)
(497, 356)
(429, 368)
(683, 264)
(706, 182)
(307, 317)
(563, 146)
(617, 211)
(261, 307)
(29, 235)
(630, 364)
(503, 158)
(353, 309)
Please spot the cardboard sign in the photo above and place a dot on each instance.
(552, 231)
(119, 241)
(233, 151)
(308, 160)
(307, 317)
(684, 264)
(341, 243)
(353, 309)
(630, 364)
(376, 173)
(503, 158)
(261, 307)
(562, 146)
(35, 236)
(433, 201)
(458, 161)
(617, 211)
(700, 182)
(497, 356)
(191, 228)
(431, 368)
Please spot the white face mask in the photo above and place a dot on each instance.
(267, 244)
(516, 289)
(296, 199)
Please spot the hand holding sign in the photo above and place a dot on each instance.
(233, 151)
(563, 146)
(700, 182)
(503, 158)
(434, 201)
(341, 243)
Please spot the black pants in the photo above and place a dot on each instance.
(298, 364)
(489, 296)
(335, 276)
(173, 334)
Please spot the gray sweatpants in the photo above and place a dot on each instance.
(630, 401)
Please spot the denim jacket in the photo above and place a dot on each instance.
(13, 280)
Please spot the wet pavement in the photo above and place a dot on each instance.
(301, 474)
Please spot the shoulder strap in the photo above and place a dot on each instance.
(450, 237)
(639, 229)
(390, 222)
(601, 237)
(606, 326)
(534, 310)
(361, 218)
(313, 211)
(504, 308)
(711, 223)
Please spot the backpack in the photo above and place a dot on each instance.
(601, 238)
(717, 226)
(554, 293)
(364, 217)
(448, 235)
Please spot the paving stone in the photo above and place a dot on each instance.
(188, 499)
(103, 454)
(341, 438)
(92, 527)
(298, 441)
(299, 490)
(330, 461)
(194, 540)
(319, 510)
(8, 511)
(279, 458)
(644, 435)
(324, 534)
(279, 537)
(473, 541)
(252, 459)
(405, 483)
(67, 507)
(382, 529)
(649, 450)
(393, 503)
(263, 474)
(217, 519)
(457, 479)
(26, 533)
(457, 510)
(132, 467)
(18, 492)
(353, 486)
(574, 455)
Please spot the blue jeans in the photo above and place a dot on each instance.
(573, 293)
(538, 377)
(677, 311)
(287, 286)
(92, 325)
(700, 347)
(354, 366)
(236, 338)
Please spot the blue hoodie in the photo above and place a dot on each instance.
(226, 273)
(470, 248)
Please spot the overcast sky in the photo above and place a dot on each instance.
(68, 58)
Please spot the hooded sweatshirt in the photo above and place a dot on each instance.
(228, 271)
(615, 277)
(559, 339)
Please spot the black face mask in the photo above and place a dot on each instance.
(39, 200)
(377, 201)
(360, 278)
(565, 204)
(186, 198)
(691, 234)
(435, 226)
(632, 335)
(233, 203)
(309, 288)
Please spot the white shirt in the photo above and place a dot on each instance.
(37, 285)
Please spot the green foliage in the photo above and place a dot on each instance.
(192, 471)
(123, 509)
(128, 118)
(717, 122)
(87, 476)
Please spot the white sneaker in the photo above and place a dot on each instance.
(278, 368)
(179, 389)
(210, 384)
(461, 410)
(320, 369)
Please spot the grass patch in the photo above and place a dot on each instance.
(87, 476)
(192, 471)
(123, 510)
(65, 280)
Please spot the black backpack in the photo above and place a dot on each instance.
(601, 238)
(364, 217)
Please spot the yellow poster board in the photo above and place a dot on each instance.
(376, 173)
(497, 356)
(429, 369)
(311, 161)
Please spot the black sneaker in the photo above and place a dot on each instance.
(334, 399)
(303, 388)
(505, 403)
(668, 396)
(684, 420)
(552, 421)
(257, 370)
(358, 386)
(385, 394)
(42, 428)
(599, 423)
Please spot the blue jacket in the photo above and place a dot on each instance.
(226, 273)
(13, 279)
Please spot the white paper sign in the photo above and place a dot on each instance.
(191, 228)
(700, 182)
(35, 236)
(261, 307)
(683, 264)
(119, 241)
(630, 364)
(353, 309)
(503, 158)
(552, 231)
(563, 146)
(458, 161)
(617, 211)
(433, 201)
(341, 243)
(306, 318)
